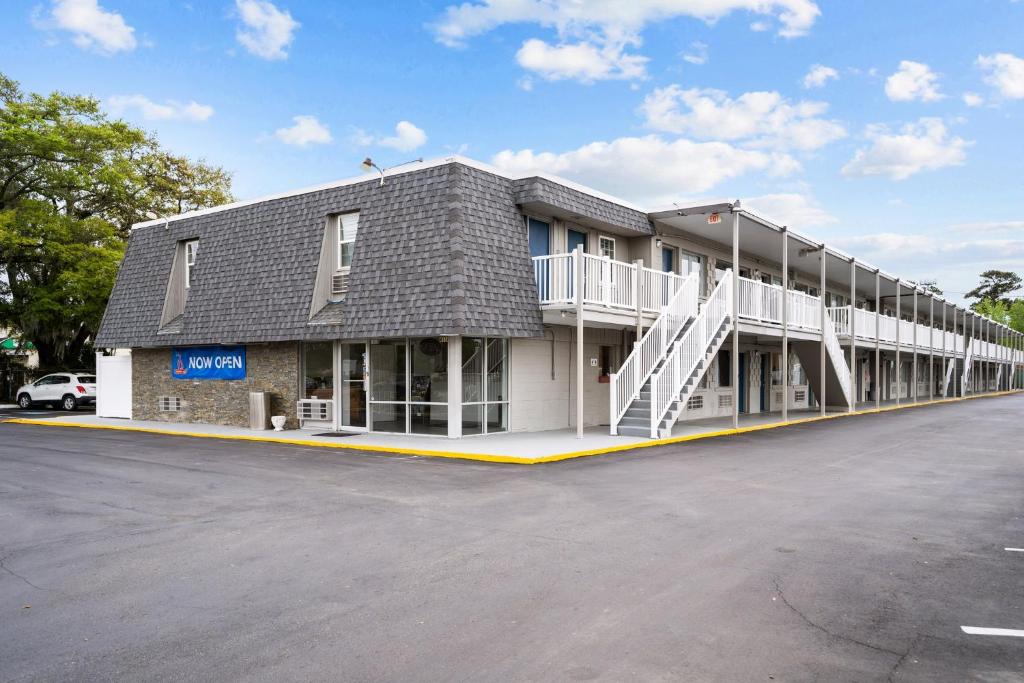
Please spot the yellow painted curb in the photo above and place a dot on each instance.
(505, 459)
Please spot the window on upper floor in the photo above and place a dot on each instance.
(191, 246)
(539, 236)
(606, 247)
(347, 225)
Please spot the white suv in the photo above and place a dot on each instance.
(65, 389)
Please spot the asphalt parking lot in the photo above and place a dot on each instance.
(850, 550)
(41, 411)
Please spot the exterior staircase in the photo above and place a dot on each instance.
(663, 395)
(950, 364)
(968, 362)
(628, 384)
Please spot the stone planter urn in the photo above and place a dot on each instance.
(278, 422)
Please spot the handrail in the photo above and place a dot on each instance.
(950, 364)
(835, 352)
(625, 384)
(968, 358)
(686, 354)
(760, 301)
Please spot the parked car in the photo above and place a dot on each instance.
(66, 390)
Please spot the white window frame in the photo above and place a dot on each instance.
(600, 247)
(191, 248)
(340, 240)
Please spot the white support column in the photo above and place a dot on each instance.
(931, 348)
(878, 350)
(638, 298)
(945, 360)
(455, 387)
(913, 366)
(821, 293)
(899, 329)
(853, 335)
(785, 324)
(578, 267)
(735, 317)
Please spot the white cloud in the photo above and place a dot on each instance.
(760, 119)
(93, 27)
(154, 111)
(913, 81)
(697, 54)
(649, 169)
(306, 130)
(266, 31)
(594, 38)
(819, 75)
(760, 26)
(407, 137)
(908, 247)
(1005, 73)
(584, 61)
(921, 146)
(972, 99)
(790, 209)
(461, 22)
(989, 226)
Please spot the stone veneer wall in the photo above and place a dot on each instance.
(268, 367)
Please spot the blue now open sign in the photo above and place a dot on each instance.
(208, 362)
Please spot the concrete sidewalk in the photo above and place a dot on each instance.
(514, 447)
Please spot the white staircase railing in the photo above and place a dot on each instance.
(950, 364)
(835, 353)
(625, 384)
(968, 361)
(686, 354)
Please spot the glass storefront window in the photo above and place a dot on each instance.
(472, 370)
(429, 371)
(409, 386)
(387, 371)
(484, 385)
(318, 370)
(429, 419)
(388, 417)
(472, 419)
(497, 370)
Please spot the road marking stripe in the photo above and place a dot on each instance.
(1014, 550)
(982, 631)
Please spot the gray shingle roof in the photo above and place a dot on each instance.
(545, 191)
(439, 250)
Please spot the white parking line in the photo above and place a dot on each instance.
(1014, 550)
(982, 631)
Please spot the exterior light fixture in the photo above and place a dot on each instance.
(155, 216)
(368, 165)
(658, 243)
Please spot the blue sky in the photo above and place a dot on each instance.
(892, 129)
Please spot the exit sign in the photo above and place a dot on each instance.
(714, 218)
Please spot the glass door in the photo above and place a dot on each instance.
(352, 386)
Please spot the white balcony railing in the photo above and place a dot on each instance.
(607, 284)
(929, 339)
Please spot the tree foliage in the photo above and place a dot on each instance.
(72, 182)
(995, 285)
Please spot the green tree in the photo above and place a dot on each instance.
(72, 182)
(995, 285)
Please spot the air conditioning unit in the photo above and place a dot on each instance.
(339, 284)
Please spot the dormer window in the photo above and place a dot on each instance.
(190, 260)
(347, 225)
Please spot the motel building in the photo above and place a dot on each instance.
(447, 299)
